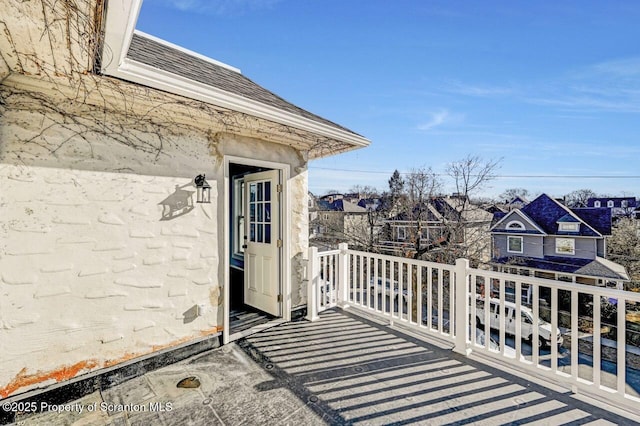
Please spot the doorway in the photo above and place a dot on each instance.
(254, 244)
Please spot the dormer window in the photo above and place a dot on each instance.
(514, 224)
(596, 204)
(610, 203)
(624, 204)
(569, 226)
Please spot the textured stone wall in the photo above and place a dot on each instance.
(92, 273)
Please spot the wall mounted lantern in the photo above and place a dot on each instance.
(203, 189)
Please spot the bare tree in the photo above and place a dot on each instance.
(578, 198)
(422, 186)
(511, 193)
(467, 226)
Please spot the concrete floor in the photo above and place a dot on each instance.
(342, 369)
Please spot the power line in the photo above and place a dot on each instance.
(494, 176)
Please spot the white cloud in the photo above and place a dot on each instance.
(440, 118)
(480, 91)
(626, 67)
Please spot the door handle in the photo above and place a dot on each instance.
(244, 246)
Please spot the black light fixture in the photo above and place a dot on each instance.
(203, 189)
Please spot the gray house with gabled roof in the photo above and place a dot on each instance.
(550, 240)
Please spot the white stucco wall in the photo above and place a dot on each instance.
(91, 276)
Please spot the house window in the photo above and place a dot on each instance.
(569, 227)
(596, 204)
(624, 204)
(514, 224)
(402, 233)
(610, 203)
(565, 246)
(514, 244)
(238, 217)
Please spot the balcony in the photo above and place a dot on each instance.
(582, 337)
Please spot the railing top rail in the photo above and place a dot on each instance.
(329, 252)
(410, 261)
(562, 285)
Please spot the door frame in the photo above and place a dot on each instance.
(285, 220)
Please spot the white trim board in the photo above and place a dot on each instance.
(121, 17)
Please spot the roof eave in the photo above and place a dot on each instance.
(121, 17)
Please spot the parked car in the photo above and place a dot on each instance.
(526, 318)
(385, 289)
(494, 346)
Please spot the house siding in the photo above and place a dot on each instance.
(585, 248)
(531, 245)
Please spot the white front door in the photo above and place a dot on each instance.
(262, 231)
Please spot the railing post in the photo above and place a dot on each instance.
(463, 298)
(343, 275)
(312, 284)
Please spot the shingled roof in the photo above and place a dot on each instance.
(545, 212)
(163, 56)
(598, 267)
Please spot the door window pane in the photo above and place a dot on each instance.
(267, 191)
(260, 236)
(267, 212)
(252, 232)
(252, 192)
(267, 234)
(260, 193)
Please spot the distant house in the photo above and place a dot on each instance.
(517, 202)
(549, 240)
(620, 206)
(441, 222)
(339, 221)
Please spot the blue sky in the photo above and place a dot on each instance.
(550, 87)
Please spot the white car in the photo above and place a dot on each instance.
(385, 289)
(526, 318)
(494, 346)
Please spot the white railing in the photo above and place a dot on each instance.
(451, 301)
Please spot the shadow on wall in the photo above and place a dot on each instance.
(179, 203)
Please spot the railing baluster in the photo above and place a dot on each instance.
(622, 346)
(409, 292)
(374, 285)
(596, 340)
(353, 289)
(391, 289)
(503, 317)
(383, 289)
(452, 302)
(574, 335)
(473, 301)
(440, 301)
(554, 330)
(518, 319)
(429, 306)
(419, 294)
(536, 324)
(367, 280)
